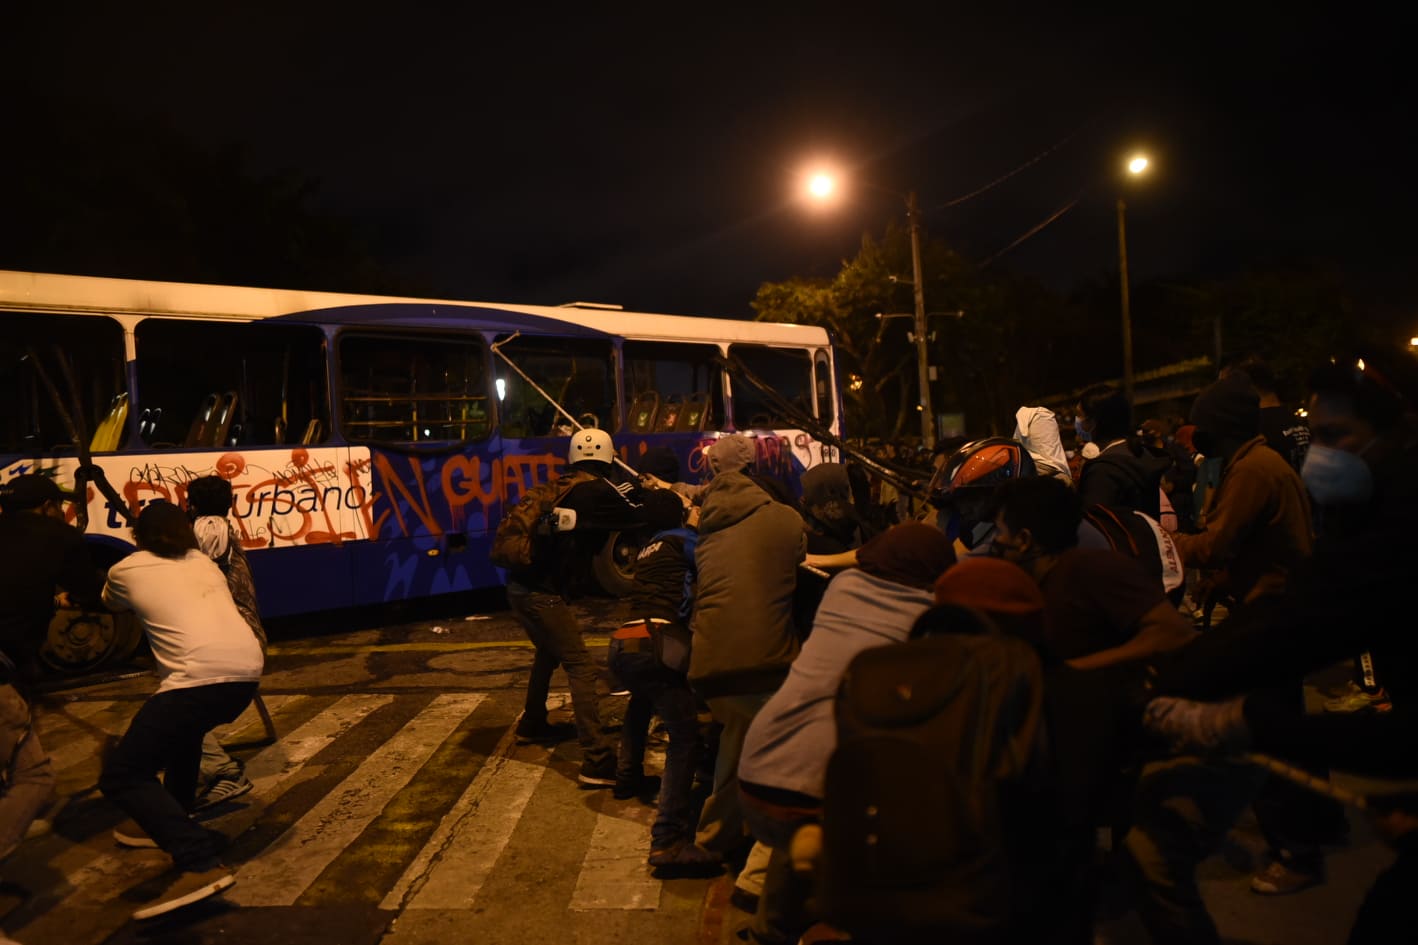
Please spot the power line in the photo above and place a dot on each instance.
(1034, 229)
(1026, 165)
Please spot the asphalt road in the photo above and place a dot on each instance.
(394, 806)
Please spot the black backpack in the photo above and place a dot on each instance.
(934, 737)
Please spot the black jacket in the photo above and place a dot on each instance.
(39, 556)
(1124, 475)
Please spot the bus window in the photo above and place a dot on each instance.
(673, 386)
(213, 384)
(577, 373)
(414, 388)
(826, 397)
(30, 423)
(787, 370)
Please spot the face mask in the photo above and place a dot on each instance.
(1081, 431)
(980, 535)
(1336, 477)
(1204, 443)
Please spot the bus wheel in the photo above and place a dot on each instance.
(614, 565)
(80, 641)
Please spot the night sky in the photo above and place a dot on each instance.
(650, 157)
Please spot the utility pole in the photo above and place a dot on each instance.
(913, 215)
(1127, 314)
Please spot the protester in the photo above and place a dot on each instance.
(1038, 429)
(209, 499)
(40, 558)
(649, 653)
(1363, 460)
(744, 641)
(789, 742)
(539, 594)
(208, 664)
(1103, 607)
(1122, 474)
(1284, 432)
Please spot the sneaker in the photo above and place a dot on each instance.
(1277, 879)
(1357, 699)
(186, 889)
(222, 791)
(597, 775)
(130, 835)
(529, 731)
(639, 786)
(743, 900)
(685, 860)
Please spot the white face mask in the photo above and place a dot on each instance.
(1336, 477)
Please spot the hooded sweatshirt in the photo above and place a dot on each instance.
(1124, 476)
(747, 558)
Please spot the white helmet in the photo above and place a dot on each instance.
(592, 444)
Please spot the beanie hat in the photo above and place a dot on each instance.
(730, 453)
(999, 589)
(1228, 410)
(30, 491)
(660, 462)
(663, 508)
(912, 553)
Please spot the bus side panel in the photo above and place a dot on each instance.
(286, 499)
(431, 518)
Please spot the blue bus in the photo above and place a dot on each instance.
(372, 442)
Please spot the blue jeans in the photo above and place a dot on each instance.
(553, 629)
(655, 690)
(166, 735)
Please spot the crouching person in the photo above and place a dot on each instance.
(789, 743)
(650, 656)
(208, 664)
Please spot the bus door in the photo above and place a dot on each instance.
(417, 407)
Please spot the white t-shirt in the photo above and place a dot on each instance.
(198, 636)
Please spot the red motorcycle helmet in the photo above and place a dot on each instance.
(981, 465)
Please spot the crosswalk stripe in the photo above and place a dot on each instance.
(279, 875)
(614, 874)
(451, 868)
(104, 877)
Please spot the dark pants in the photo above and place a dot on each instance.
(551, 626)
(1389, 903)
(1294, 821)
(166, 735)
(784, 910)
(655, 690)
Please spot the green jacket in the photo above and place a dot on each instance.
(748, 555)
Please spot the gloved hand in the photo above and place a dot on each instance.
(1192, 727)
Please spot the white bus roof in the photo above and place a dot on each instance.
(48, 292)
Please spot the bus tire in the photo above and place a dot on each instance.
(613, 567)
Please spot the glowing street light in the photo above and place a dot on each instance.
(821, 186)
(1137, 166)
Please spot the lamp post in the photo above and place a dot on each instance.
(822, 187)
(1136, 166)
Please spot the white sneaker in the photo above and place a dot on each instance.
(130, 835)
(186, 889)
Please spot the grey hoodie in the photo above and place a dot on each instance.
(747, 558)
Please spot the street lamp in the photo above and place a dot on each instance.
(1137, 165)
(821, 186)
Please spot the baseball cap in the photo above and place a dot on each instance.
(30, 491)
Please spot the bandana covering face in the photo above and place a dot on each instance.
(913, 554)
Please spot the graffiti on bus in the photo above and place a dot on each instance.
(324, 495)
